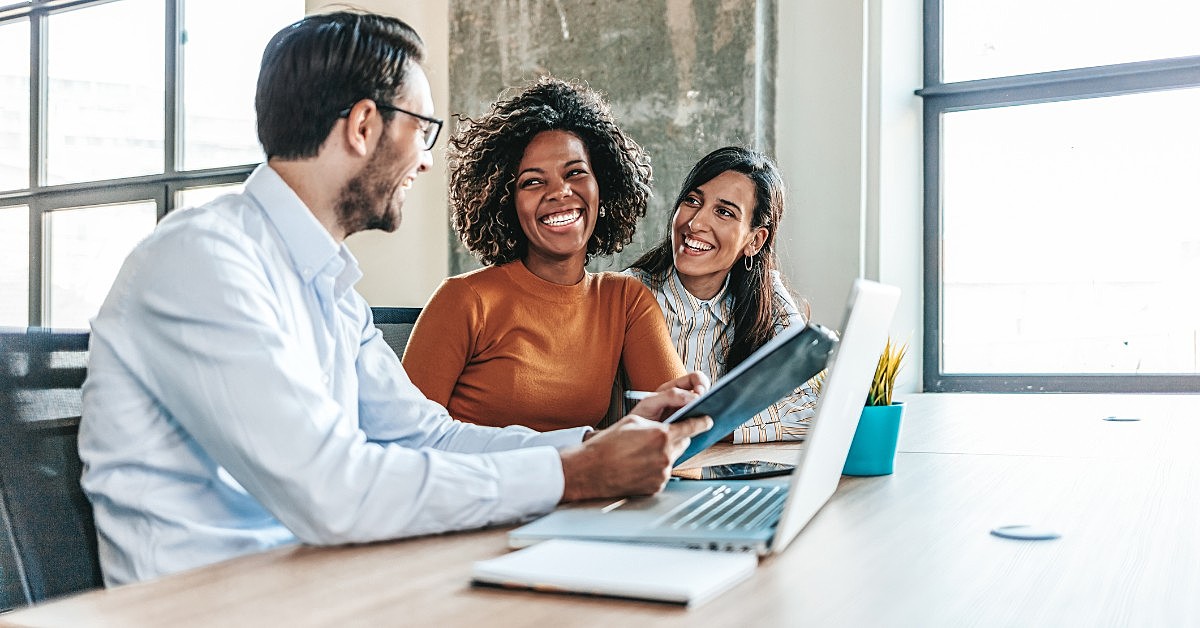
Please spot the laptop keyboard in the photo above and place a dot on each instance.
(724, 508)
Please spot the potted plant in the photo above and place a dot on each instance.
(873, 450)
(891, 360)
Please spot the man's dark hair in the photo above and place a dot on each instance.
(323, 64)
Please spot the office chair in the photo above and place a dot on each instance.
(396, 324)
(46, 525)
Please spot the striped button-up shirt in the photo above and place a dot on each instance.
(702, 331)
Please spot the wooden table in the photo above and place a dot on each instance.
(910, 549)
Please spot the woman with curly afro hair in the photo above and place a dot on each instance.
(538, 185)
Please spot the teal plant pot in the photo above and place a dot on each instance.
(873, 450)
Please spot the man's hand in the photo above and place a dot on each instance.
(633, 457)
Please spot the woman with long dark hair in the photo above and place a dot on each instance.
(717, 279)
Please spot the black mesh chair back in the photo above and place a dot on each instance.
(46, 526)
(396, 324)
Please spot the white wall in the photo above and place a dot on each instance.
(848, 141)
(895, 193)
(819, 144)
(405, 267)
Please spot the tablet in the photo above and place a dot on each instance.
(778, 367)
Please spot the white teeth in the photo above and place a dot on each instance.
(406, 184)
(564, 218)
(696, 245)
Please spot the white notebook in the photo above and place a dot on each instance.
(645, 572)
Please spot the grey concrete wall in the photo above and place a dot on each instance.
(683, 77)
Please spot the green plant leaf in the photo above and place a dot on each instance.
(891, 360)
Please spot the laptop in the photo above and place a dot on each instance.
(762, 516)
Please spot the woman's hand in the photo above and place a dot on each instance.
(695, 381)
(672, 395)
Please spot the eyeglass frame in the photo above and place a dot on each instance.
(436, 122)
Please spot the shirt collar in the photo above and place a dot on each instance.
(721, 304)
(309, 245)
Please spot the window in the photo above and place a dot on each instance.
(135, 107)
(14, 263)
(193, 197)
(1062, 201)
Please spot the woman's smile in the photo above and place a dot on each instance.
(562, 218)
(695, 246)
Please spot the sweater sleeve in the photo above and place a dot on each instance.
(648, 357)
(444, 339)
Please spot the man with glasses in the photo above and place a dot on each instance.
(238, 395)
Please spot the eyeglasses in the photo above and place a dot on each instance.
(431, 129)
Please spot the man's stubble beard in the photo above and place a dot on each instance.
(363, 202)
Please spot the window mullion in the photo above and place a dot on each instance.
(933, 42)
(171, 94)
(37, 160)
(164, 200)
(932, 249)
(36, 261)
(37, 98)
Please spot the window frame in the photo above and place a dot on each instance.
(162, 187)
(1061, 85)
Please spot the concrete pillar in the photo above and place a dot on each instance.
(683, 77)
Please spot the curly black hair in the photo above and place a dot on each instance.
(484, 154)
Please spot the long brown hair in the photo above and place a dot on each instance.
(754, 306)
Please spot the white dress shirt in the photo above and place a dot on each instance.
(702, 331)
(239, 398)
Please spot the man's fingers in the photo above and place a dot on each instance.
(678, 447)
(681, 433)
(663, 403)
(688, 428)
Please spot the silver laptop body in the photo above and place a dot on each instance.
(764, 515)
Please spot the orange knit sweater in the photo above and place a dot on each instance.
(501, 346)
